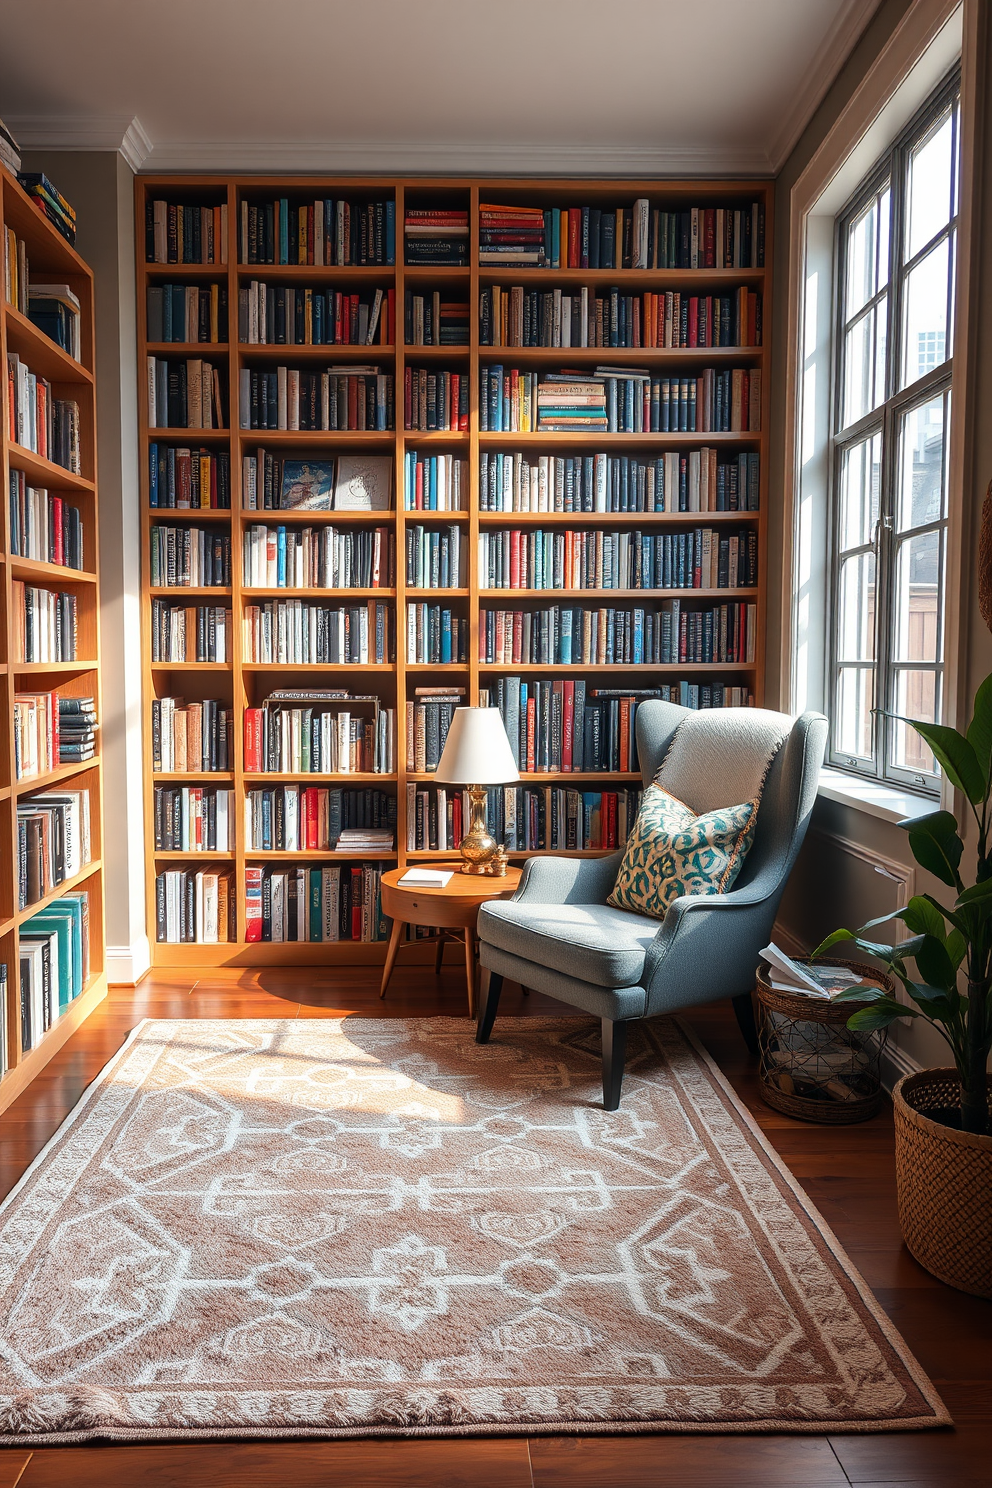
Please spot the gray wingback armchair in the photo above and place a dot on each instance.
(558, 934)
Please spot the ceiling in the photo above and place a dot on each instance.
(565, 86)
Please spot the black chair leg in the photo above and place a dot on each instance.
(488, 1006)
(744, 1009)
(614, 1052)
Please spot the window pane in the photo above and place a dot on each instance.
(917, 695)
(855, 700)
(856, 616)
(859, 487)
(925, 319)
(916, 599)
(929, 186)
(864, 364)
(922, 487)
(867, 253)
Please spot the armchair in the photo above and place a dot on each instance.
(558, 934)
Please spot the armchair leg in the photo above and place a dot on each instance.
(488, 1006)
(614, 1053)
(744, 1009)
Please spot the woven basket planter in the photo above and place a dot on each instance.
(944, 1179)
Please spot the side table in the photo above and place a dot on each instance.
(455, 907)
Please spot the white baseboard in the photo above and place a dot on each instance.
(126, 965)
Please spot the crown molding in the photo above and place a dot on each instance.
(408, 157)
(829, 58)
(83, 132)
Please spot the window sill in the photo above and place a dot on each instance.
(874, 798)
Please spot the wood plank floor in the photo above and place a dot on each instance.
(847, 1172)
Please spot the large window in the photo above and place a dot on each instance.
(896, 255)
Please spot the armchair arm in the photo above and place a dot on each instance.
(568, 880)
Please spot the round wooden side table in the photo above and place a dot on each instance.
(455, 907)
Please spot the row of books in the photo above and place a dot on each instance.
(430, 320)
(349, 483)
(294, 818)
(357, 398)
(434, 636)
(53, 842)
(54, 963)
(55, 310)
(324, 232)
(434, 482)
(318, 557)
(188, 479)
(619, 400)
(292, 632)
(434, 557)
(189, 557)
(428, 718)
(196, 737)
(50, 203)
(197, 633)
(191, 818)
(435, 400)
(699, 558)
(641, 236)
(40, 422)
(184, 394)
(185, 232)
(320, 732)
(16, 268)
(195, 907)
(287, 315)
(186, 312)
(547, 818)
(45, 624)
(517, 316)
(436, 235)
(325, 903)
(43, 526)
(50, 730)
(564, 726)
(698, 480)
(576, 636)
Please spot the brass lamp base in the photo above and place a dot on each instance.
(481, 854)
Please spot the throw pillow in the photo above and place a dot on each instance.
(672, 852)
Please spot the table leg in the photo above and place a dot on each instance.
(439, 952)
(392, 950)
(470, 969)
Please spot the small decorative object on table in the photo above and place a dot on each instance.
(477, 754)
(813, 1066)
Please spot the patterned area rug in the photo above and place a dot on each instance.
(376, 1227)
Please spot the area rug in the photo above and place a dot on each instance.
(352, 1227)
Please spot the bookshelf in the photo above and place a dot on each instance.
(238, 683)
(50, 260)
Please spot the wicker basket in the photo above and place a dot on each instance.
(944, 1180)
(812, 1066)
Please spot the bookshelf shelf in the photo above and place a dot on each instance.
(240, 684)
(50, 259)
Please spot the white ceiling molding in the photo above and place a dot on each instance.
(812, 87)
(83, 132)
(408, 157)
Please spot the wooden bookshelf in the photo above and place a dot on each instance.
(239, 682)
(50, 260)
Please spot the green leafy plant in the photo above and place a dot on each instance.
(944, 940)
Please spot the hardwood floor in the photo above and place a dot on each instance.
(847, 1172)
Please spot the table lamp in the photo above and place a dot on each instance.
(477, 754)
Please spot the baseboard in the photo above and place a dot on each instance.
(126, 965)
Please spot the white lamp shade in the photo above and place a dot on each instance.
(476, 751)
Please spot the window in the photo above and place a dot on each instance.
(896, 252)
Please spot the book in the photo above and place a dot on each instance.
(363, 483)
(307, 485)
(426, 878)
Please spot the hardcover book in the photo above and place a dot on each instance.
(307, 485)
(364, 483)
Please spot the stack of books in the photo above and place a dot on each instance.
(50, 203)
(431, 321)
(77, 727)
(428, 719)
(54, 309)
(571, 403)
(436, 235)
(10, 157)
(366, 839)
(511, 236)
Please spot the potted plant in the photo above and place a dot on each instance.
(943, 1128)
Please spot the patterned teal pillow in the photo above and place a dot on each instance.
(671, 852)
